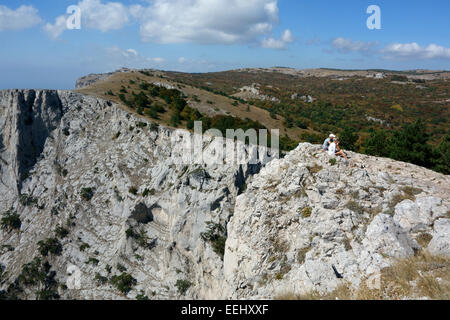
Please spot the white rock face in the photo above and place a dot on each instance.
(80, 142)
(305, 225)
(293, 224)
(440, 244)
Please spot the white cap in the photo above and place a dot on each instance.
(332, 136)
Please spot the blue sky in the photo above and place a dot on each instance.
(212, 35)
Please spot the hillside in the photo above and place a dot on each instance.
(96, 202)
(365, 108)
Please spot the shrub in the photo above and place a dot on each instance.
(11, 221)
(306, 212)
(121, 267)
(133, 190)
(216, 235)
(148, 192)
(100, 279)
(124, 283)
(348, 139)
(152, 113)
(141, 125)
(332, 161)
(50, 245)
(93, 261)
(183, 286)
(154, 127)
(141, 237)
(27, 200)
(61, 232)
(36, 273)
(87, 194)
(141, 296)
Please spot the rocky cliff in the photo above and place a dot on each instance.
(97, 204)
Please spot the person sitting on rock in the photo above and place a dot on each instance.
(327, 142)
(338, 151)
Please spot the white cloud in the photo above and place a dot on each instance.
(181, 60)
(206, 21)
(56, 29)
(415, 51)
(157, 60)
(186, 21)
(129, 58)
(22, 18)
(94, 15)
(272, 43)
(133, 52)
(104, 16)
(348, 45)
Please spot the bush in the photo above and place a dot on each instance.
(27, 200)
(87, 194)
(50, 245)
(61, 232)
(441, 156)
(152, 113)
(124, 283)
(377, 144)
(37, 273)
(216, 235)
(332, 161)
(140, 237)
(84, 246)
(11, 221)
(141, 296)
(348, 139)
(306, 212)
(154, 127)
(93, 261)
(133, 190)
(183, 286)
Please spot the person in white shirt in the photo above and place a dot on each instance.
(332, 148)
(328, 141)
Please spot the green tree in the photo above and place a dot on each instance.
(410, 144)
(377, 144)
(441, 156)
(348, 139)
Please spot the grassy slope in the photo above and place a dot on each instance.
(220, 104)
(372, 97)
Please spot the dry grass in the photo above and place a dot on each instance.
(315, 169)
(219, 104)
(417, 277)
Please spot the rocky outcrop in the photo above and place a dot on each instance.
(307, 225)
(118, 184)
(90, 79)
(106, 199)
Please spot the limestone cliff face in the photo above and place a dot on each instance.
(110, 191)
(96, 170)
(307, 225)
(26, 120)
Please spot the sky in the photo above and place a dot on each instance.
(39, 50)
